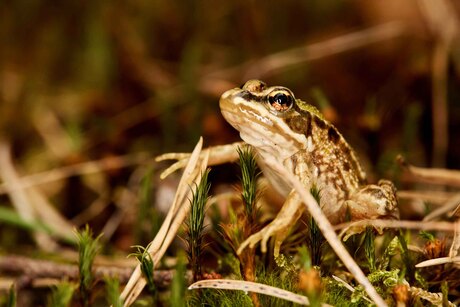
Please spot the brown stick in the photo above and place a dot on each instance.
(30, 269)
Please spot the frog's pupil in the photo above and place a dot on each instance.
(281, 99)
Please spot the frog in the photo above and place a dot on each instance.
(278, 126)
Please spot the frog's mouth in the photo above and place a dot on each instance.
(257, 126)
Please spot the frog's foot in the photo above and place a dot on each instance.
(217, 155)
(374, 201)
(276, 229)
(182, 160)
(279, 227)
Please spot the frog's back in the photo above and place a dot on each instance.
(331, 160)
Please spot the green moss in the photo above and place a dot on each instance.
(88, 247)
(61, 295)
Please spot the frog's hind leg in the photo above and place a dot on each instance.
(279, 228)
(374, 201)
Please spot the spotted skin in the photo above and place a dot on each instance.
(295, 133)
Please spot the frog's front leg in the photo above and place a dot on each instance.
(217, 155)
(279, 228)
(374, 201)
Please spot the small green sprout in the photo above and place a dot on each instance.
(249, 176)
(195, 225)
(11, 299)
(88, 247)
(112, 287)
(147, 266)
(61, 295)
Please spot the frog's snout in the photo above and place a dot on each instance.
(229, 93)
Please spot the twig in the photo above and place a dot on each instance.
(31, 269)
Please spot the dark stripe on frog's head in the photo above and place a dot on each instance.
(248, 96)
(262, 96)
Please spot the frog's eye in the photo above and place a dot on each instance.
(281, 100)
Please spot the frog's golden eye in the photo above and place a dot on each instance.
(281, 100)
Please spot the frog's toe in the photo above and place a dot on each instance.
(263, 244)
(176, 166)
(172, 156)
(250, 242)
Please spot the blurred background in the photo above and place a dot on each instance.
(91, 91)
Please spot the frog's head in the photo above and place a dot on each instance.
(263, 115)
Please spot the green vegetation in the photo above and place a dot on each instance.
(178, 284)
(11, 297)
(61, 294)
(112, 287)
(194, 233)
(88, 247)
(147, 266)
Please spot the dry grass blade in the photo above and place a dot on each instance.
(326, 228)
(275, 62)
(455, 247)
(447, 207)
(123, 202)
(94, 209)
(76, 169)
(173, 220)
(19, 197)
(443, 23)
(53, 133)
(437, 226)
(45, 211)
(437, 176)
(433, 197)
(272, 63)
(229, 284)
(438, 261)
